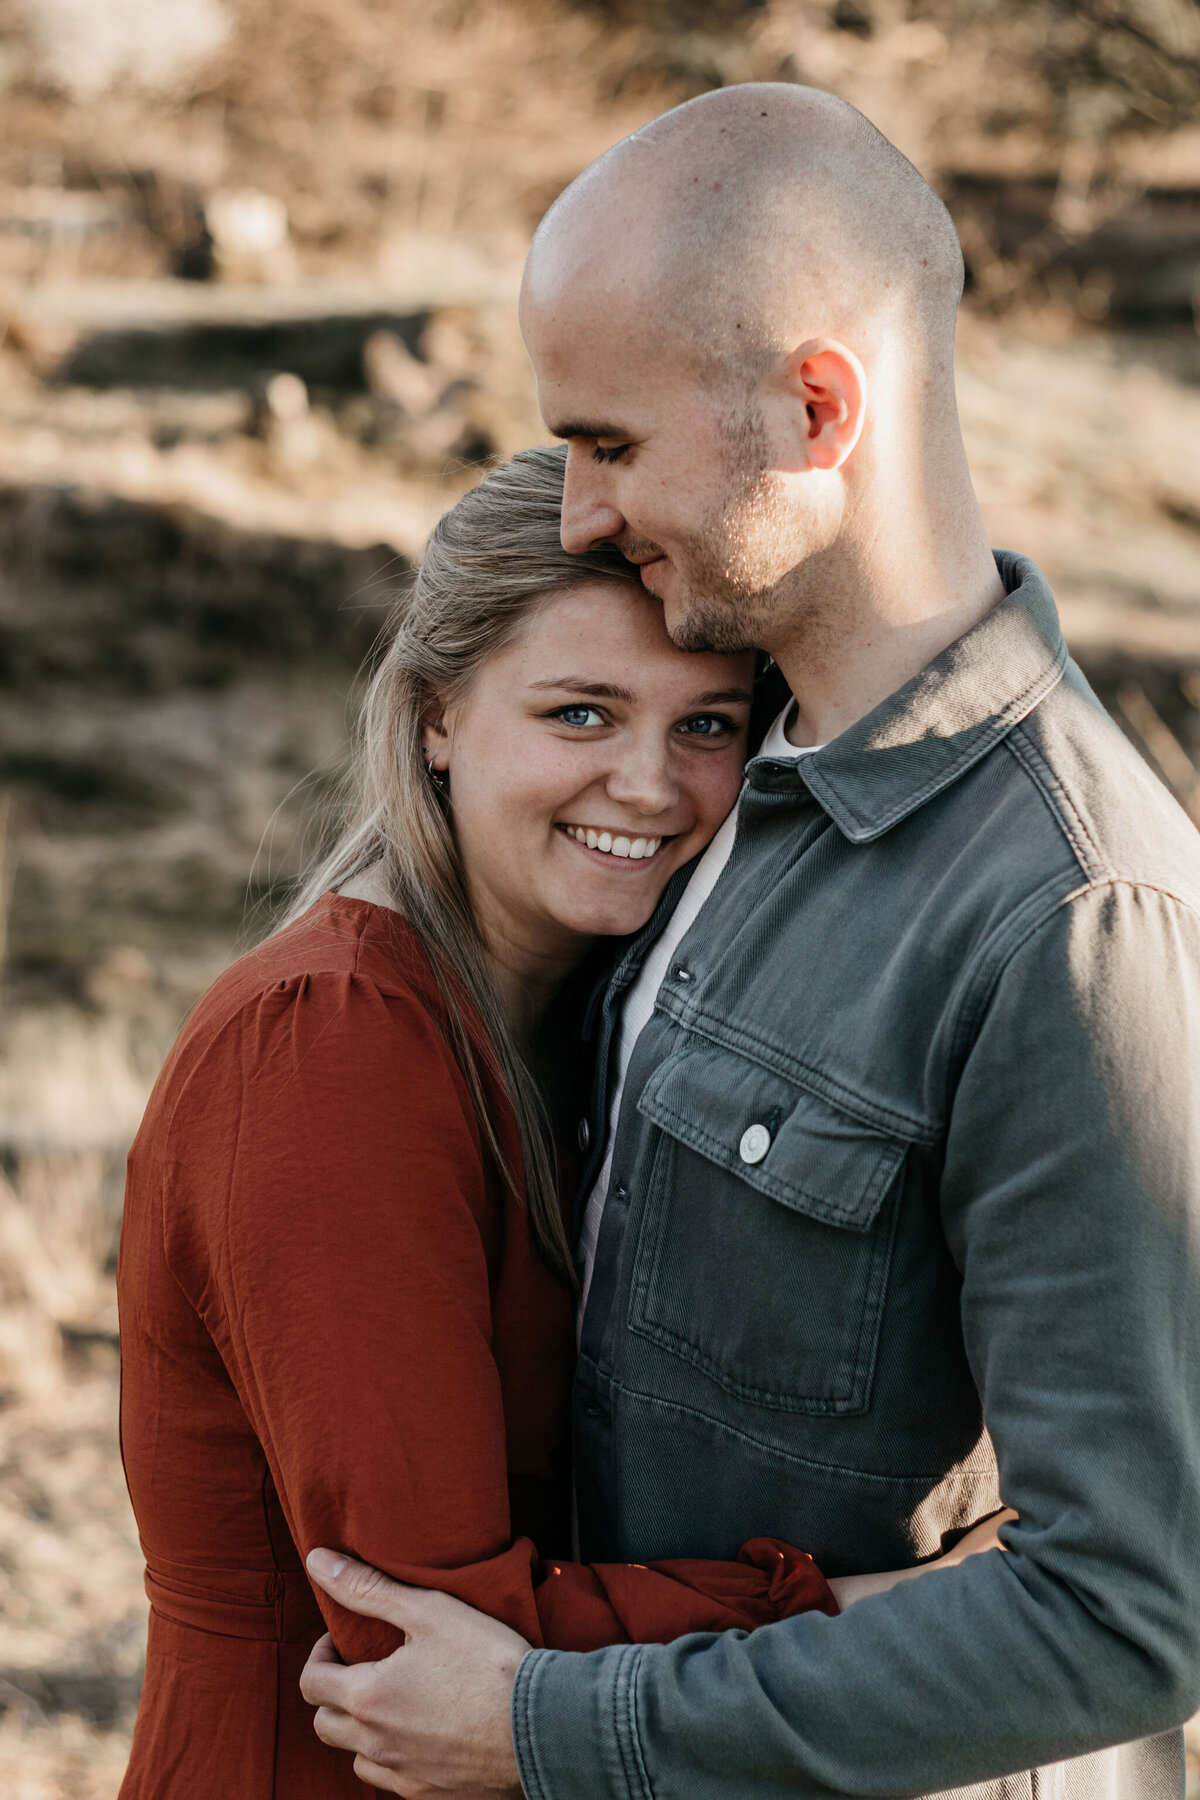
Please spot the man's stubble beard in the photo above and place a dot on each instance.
(741, 569)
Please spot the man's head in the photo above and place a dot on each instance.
(742, 319)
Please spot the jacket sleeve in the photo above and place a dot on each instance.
(326, 1213)
(1071, 1203)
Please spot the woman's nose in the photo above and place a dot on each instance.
(642, 780)
(588, 518)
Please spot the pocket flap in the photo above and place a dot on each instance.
(807, 1153)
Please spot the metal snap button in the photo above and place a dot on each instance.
(583, 1136)
(756, 1141)
(681, 974)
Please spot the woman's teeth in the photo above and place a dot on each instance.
(636, 849)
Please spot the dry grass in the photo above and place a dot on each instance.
(60, 1759)
(72, 1626)
(415, 142)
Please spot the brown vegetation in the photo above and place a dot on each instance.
(257, 271)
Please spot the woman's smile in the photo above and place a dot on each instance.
(612, 844)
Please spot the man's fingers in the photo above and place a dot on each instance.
(324, 1680)
(324, 1652)
(341, 1732)
(376, 1776)
(361, 1589)
(338, 1729)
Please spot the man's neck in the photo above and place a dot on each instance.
(873, 630)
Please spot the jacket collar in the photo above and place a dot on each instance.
(923, 737)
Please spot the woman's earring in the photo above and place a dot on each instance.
(438, 777)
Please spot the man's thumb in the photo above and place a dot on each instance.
(362, 1589)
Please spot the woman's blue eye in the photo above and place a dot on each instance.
(579, 715)
(707, 725)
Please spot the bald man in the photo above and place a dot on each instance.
(893, 1197)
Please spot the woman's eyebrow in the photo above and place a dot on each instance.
(579, 684)
(604, 690)
(724, 697)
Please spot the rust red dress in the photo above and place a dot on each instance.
(335, 1330)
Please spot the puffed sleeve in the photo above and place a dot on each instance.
(327, 1213)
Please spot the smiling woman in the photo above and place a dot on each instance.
(345, 1281)
(472, 758)
(576, 795)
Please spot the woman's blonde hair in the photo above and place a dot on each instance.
(489, 563)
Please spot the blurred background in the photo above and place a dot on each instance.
(258, 264)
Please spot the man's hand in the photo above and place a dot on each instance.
(433, 1718)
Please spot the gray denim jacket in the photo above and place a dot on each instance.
(905, 1217)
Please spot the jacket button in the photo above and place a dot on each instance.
(756, 1141)
(583, 1136)
(681, 974)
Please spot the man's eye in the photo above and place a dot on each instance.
(609, 453)
(579, 716)
(708, 725)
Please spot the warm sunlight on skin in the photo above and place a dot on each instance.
(741, 320)
(587, 762)
(655, 466)
(646, 465)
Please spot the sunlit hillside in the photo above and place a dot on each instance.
(258, 265)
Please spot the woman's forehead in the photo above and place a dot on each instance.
(618, 624)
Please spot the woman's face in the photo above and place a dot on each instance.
(587, 762)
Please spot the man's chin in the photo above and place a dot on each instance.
(704, 629)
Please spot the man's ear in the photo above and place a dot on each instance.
(830, 383)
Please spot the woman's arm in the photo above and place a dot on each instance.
(328, 1216)
(583, 1606)
(986, 1536)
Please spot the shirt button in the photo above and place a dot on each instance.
(583, 1136)
(756, 1141)
(681, 974)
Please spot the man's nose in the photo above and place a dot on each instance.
(588, 517)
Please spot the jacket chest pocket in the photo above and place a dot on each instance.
(767, 1234)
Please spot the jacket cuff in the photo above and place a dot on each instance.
(574, 1725)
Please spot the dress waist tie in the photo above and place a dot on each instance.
(276, 1605)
